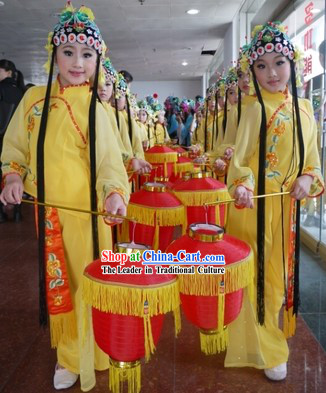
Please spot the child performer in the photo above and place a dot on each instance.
(60, 149)
(225, 150)
(188, 111)
(276, 151)
(105, 91)
(144, 124)
(160, 132)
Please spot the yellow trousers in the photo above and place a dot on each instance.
(77, 240)
(251, 344)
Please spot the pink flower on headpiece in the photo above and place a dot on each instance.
(155, 95)
(278, 47)
(72, 38)
(269, 47)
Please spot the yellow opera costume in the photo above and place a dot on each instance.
(251, 344)
(136, 145)
(67, 182)
(232, 126)
(142, 131)
(126, 156)
(209, 142)
(160, 134)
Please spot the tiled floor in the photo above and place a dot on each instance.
(27, 362)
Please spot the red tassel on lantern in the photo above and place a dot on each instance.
(201, 188)
(157, 212)
(128, 312)
(212, 301)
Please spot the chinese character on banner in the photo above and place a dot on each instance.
(307, 65)
(308, 39)
(309, 15)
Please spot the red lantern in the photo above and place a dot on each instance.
(212, 301)
(128, 312)
(162, 159)
(182, 166)
(157, 212)
(201, 188)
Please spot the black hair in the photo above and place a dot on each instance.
(8, 65)
(128, 77)
(41, 182)
(43, 317)
(297, 128)
(239, 104)
(116, 105)
(225, 114)
(205, 129)
(129, 120)
(198, 97)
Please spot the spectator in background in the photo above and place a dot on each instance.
(128, 77)
(12, 88)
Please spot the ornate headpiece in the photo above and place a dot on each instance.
(121, 87)
(220, 85)
(143, 106)
(75, 26)
(268, 38)
(231, 79)
(109, 71)
(186, 105)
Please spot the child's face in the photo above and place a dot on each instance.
(121, 103)
(199, 116)
(232, 96)
(105, 91)
(4, 74)
(220, 101)
(243, 82)
(76, 62)
(211, 105)
(272, 71)
(142, 116)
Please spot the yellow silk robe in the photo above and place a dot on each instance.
(136, 144)
(249, 343)
(67, 180)
(160, 133)
(212, 141)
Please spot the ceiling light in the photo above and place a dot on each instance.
(193, 11)
(184, 63)
(315, 11)
(2, 3)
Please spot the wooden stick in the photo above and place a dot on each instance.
(79, 210)
(254, 197)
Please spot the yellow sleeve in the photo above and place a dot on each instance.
(137, 146)
(111, 173)
(245, 146)
(312, 161)
(113, 122)
(125, 134)
(15, 151)
(230, 132)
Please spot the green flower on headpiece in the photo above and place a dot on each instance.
(231, 78)
(109, 71)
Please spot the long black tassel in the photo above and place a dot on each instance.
(129, 121)
(205, 128)
(225, 114)
(92, 154)
(296, 295)
(116, 107)
(261, 210)
(43, 316)
(239, 104)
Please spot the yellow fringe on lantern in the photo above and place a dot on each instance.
(198, 198)
(120, 372)
(162, 216)
(183, 167)
(148, 338)
(212, 342)
(160, 158)
(62, 327)
(220, 307)
(237, 275)
(177, 321)
(289, 322)
(126, 299)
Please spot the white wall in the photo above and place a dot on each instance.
(184, 88)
